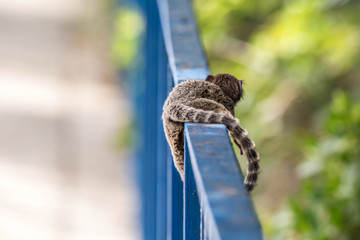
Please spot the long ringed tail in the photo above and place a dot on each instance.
(241, 136)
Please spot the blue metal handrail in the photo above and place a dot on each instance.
(185, 53)
(212, 203)
(213, 174)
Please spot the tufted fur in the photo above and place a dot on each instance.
(209, 101)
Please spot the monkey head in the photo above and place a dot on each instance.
(229, 84)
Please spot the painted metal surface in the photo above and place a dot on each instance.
(219, 183)
(212, 203)
(185, 53)
(191, 202)
(175, 192)
(152, 151)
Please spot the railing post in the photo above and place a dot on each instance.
(153, 147)
(162, 148)
(174, 192)
(191, 202)
(148, 163)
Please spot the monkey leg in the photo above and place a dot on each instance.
(174, 132)
(236, 141)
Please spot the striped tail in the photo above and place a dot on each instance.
(183, 113)
(241, 138)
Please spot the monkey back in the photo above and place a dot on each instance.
(194, 89)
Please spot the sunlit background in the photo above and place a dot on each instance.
(62, 174)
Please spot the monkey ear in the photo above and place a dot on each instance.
(240, 83)
(209, 78)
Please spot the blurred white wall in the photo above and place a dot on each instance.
(60, 175)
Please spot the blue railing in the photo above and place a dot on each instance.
(212, 202)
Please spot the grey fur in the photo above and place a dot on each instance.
(209, 101)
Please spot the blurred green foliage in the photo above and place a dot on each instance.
(327, 205)
(127, 32)
(300, 62)
(128, 27)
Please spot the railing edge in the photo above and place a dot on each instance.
(219, 182)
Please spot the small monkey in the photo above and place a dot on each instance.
(209, 101)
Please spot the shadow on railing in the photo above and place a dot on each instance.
(215, 205)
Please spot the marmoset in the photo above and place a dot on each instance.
(209, 101)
